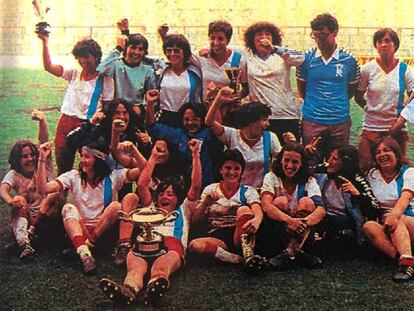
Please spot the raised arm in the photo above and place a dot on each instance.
(43, 186)
(152, 97)
(130, 153)
(145, 177)
(43, 134)
(223, 96)
(194, 191)
(56, 70)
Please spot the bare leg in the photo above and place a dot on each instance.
(375, 233)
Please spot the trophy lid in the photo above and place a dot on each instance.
(149, 215)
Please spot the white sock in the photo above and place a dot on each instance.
(226, 256)
(20, 231)
(83, 251)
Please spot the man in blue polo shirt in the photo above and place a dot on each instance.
(327, 79)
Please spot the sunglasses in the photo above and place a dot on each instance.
(316, 34)
(171, 50)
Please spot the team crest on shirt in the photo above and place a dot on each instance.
(339, 70)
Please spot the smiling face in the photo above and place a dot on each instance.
(385, 158)
(175, 55)
(87, 160)
(28, 160)
(191, 122)
(291, 162)
(258, 43)
(167, 199)
(135, 53)
(385, 46)
(218, 43)
(88, 63)
(334, 162)
(260, 125)
(231, 172)
(121, 114)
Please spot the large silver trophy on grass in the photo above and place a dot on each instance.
(42, 27)
(149, 243)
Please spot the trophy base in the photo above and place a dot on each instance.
(149, 248)
(42, 28)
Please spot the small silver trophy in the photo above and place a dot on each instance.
(42, 27)
(149, 243)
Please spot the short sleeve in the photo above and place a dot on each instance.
(66, 179)
(354, 72)
(269, 183)
(312, 188)
(408, 183)
(409, 79)
(408, 112)
(275, 144)
(302, 70)
(108, 88)
(363, 81)
(252, 196)
(228, 133)
(69, 74)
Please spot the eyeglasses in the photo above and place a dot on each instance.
(28, 155)
(317, 34)
(171, 50)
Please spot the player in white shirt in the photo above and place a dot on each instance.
(392, 183)
(293, 201)
(94, 188)
(256, 144)
(84, 95)
(381, 89)
(169, 196)
(233, 214)
(28, 205)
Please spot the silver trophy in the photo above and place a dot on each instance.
(42, 27)
(149, 243)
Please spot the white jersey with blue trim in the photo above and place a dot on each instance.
(180, 227)
(388, 193)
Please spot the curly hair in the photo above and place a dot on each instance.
(198, 109)
(179, 41)
(100, 168)
(302, 174)
(262, 26)
(136, 39)
(15, 155)
(86, 47)
(252, 112)
(380, 33)
(325, 19)
(225, 27)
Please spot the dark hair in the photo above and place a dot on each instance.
(100, 168)
(302, 174)
(15, 155)
(199, 110)
(177, 186)
(86, 47)
(181, 42)
(350, 158)
(136, 39)
(262, 26)
(394, 146)
(225, 27)
(380, 33)
(252, 112)
(133, 123)
(173, 166)
(233, 155)
(323, 20)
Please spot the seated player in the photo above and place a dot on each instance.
(170, 195)
(233, 213)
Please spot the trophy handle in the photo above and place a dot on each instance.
(171, 216)
(124, 216)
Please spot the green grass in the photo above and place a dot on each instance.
(349, 280)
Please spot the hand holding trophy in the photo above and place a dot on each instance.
(42, 27)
